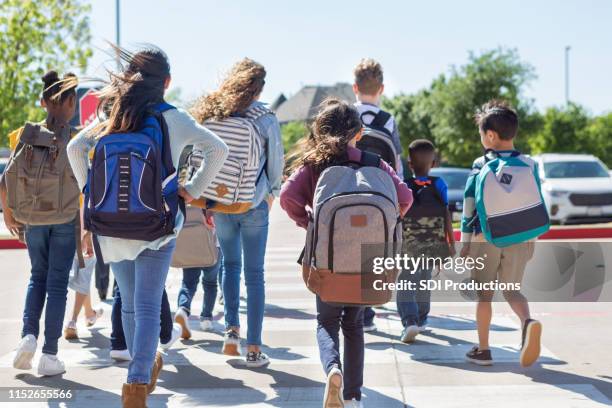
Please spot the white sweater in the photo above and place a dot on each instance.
(183, 131)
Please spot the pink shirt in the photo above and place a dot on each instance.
(298, 191)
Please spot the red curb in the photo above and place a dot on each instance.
(11, 243)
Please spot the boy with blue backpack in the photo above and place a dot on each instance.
(503, 212)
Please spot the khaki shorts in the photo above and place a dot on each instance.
(504, 264)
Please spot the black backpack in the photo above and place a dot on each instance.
(377, 138)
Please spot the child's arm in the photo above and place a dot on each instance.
(448, 220)
(296, 195)
(404, 193)
(469, 207)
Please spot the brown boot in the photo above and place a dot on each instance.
(157, 367)
(134, 395)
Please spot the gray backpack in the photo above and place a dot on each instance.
(355, 219)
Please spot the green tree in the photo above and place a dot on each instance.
(444, 112)
(36, 35)
(564, 130)
(599, 135)
(291, 133)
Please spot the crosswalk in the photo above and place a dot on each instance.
(429, 373)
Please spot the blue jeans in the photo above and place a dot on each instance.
(330, 319)
(414, 305)
(51, 249)
(244, 235)
(141, 283)
(210, 279)
(117, 337)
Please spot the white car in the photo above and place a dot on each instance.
(577, 188)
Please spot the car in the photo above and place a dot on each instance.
(455, 178)
(577, 188)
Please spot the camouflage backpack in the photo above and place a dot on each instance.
(423, 224)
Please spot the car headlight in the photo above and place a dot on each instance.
(559, 193)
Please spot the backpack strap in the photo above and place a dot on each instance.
(369, 159)
(158, 111)
(380, 119)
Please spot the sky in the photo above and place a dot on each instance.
(319, 41)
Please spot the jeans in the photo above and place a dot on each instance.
(51, 249)
(330, 319)
(210, 279)
(117, 337)
(244, 236)
(141, 283)
(414, 305)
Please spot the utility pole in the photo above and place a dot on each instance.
(567, 51)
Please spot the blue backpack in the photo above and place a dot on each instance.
(132, 185)
(509, 200)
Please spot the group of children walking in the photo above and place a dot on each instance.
(142, 160)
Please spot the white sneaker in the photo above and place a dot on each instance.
(206, 324)
(50, 365)
(409, 334)
(370, 328)
(424, 328)
(182, 318)
(176, 334)
(90, 321)
(333, 389)
(25, 353)
(121, 355)
(353, 403)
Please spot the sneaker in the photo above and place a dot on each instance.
(90, 321)
(206, 324)
(257, 359)
(25, 353)
(333, 389)
(121, 355)
(409, 334)
(176, 334)
(371, 327)
(530, 347)
(423, 327)
(182, 318)
(231, 343)
(480, 357)
(50, 365)
(353, 403)
(70, 331)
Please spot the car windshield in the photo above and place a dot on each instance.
(575, 169)
(455, 180)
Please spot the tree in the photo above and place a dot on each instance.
(291, 133)
(563, 130)
(36, 36)
(599, 136)
(444, 112)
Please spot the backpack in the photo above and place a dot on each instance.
(132, 185)
(233, 188)
(41, 188)
(377, 139)
(424, 229)
(509, 200)
(196, 245)
(355, 204)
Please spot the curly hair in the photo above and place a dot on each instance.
(334, 126)
(242, 85)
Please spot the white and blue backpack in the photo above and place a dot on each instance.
(509, 200)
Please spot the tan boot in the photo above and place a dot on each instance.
(134, 396)
(157, 367)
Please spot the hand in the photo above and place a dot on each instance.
(209, 220)
(452, 250)
(465, 250)
(87, 245)
(185, 195)
(270, 200)
(11, 223)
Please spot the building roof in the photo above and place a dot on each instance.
(304, 104)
